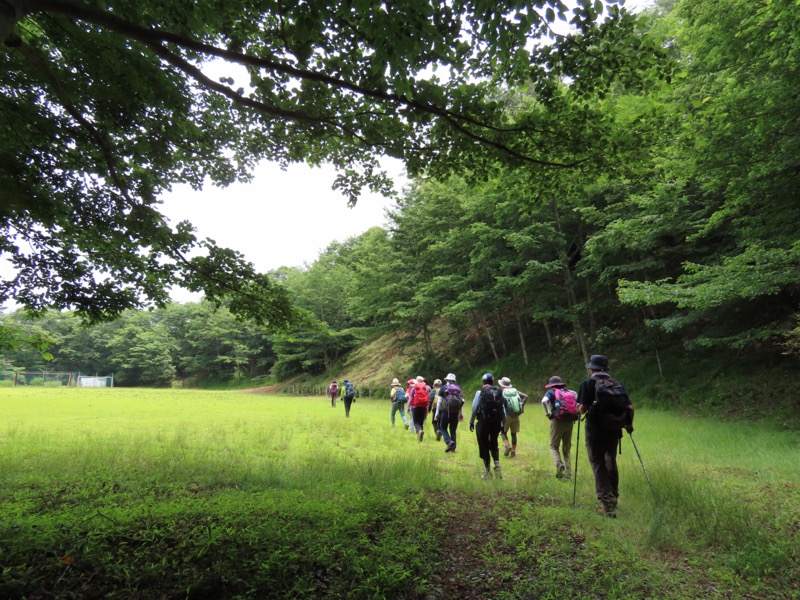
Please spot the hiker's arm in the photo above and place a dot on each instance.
(585, 395)
(546, 405)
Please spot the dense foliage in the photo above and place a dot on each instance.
(676, 225)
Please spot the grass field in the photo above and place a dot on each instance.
(117, 493)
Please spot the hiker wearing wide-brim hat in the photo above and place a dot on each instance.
(609, 412)
(398, 397)
(597, 362)
(561, 408)
(515, 406)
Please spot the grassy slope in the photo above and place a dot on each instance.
(710, 383)
(174, 494)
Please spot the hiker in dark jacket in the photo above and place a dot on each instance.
(348, 395)
(604, 430)
(488, 428)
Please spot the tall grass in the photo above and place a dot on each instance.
(278, 481)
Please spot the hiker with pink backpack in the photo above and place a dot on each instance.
(561, 407)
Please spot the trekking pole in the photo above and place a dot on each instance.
(575, 480)
(652, 489)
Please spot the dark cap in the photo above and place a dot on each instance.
(555, 381)
(598, 362)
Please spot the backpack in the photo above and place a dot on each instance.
(420, 397)
(513, 401)
(400, 395)
(349, 390)
(333, 390)
(610, 407)
(491, 405)
(452, 399)
(565, 405)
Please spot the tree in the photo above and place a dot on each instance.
(106, 106)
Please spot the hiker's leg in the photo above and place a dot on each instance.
(453, 424)
(613, 471)
(483, 443)
(493, 445)
(555, 440)
(597, 446)
(403, 413)
(395, 408)
(443, 423)
(566, 446)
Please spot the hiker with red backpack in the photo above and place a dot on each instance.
(489, 408)
(515, 406)
(418, 405)
(561, 407)
(333, 392)
(449, 409)
(410, 387)
(608, 411)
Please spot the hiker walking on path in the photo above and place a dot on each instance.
(410, 387)
(450, 411)
(433, 401)
(418, 405)
(561, 407)
(609, 412)
(333, 392)
(398, 397)
(515, 406)
(349, 396)
(488, 408)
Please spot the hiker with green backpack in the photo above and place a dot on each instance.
(608, 411)
(398, 397)
(515, 406)
(561, 407)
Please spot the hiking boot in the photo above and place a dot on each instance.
(486, 475)
(497, 473)
(513, 453)
(606, 510)
(451, 447)
(507, 451)
(560, 472)
(405, 425)
(420, 435)
(438, 435)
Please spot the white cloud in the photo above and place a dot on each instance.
(281, 218)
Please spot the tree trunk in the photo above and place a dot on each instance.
(522, 340)
(546, 325)
(483, 329)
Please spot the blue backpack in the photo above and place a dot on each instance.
(349, 390)
(400, 395)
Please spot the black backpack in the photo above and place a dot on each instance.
(611, 405)
(491, 405)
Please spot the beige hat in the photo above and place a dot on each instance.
(395, 382)
(437, 383)
(420, 378)
(505, 382)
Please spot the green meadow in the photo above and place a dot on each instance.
(132, 493)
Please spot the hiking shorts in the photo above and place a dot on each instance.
(512, 424)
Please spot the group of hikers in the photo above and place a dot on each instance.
(601, 401)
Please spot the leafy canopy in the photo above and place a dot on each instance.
(107, 105)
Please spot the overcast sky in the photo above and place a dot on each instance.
(281, 218)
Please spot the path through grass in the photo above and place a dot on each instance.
(185, 494)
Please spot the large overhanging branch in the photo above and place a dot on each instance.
(154, 38)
